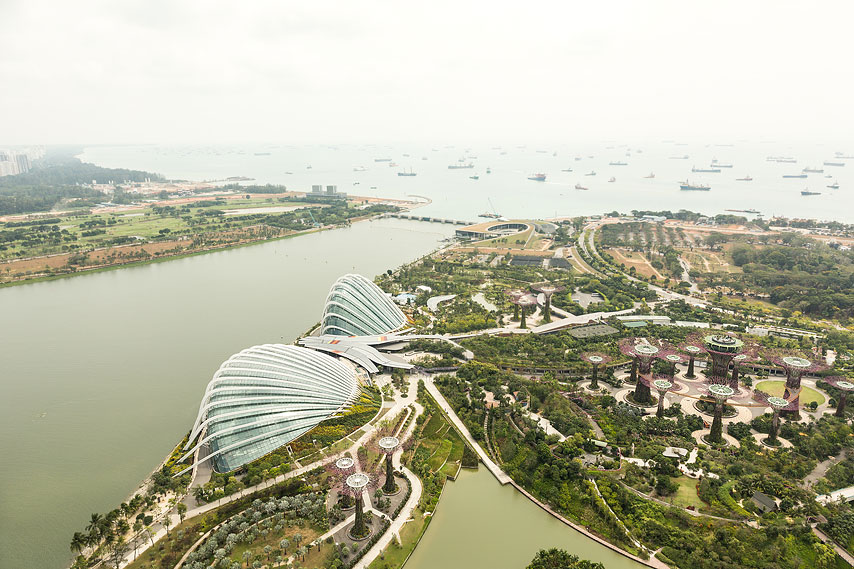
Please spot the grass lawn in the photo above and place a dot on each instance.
(686, 495)
(776, 388)
(394, 555)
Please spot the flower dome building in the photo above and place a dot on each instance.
(264, 397)
(356, 306)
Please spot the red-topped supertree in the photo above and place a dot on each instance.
(693, 349)
(595, 359)
(722, 348)
(642, 357)
(795, 367)
(845, 386)
(547, 291)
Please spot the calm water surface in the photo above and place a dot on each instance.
(101, 374)
(480, 524)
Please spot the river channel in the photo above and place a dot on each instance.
(480, 524)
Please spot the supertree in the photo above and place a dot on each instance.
(547, 290)
(662, 386)
(720, 393)
(356, 484)
(388, 445)
(523, 302)
(777, 404)
(595, 359)
(342, 468)
(795, 367)
(845, 386)
(515, 295)
(722, 349)
(693, 351)
(642, 357)
(672, 359)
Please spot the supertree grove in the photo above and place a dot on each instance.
(672, 359)
(343, 467)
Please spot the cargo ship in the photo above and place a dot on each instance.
(683, 157)
(618, 164)
(382, 159)
(745, 179)
(360, 169)
(753, 211)
(694, 187)
(813, 170)
(651, 175)
(834, 163)
(567, 170)
(591, 173)
(706, 170)
(405, 173)
(537, 177)
(809, 193)
(580, 187)
(460, 166)
(794, 175)
(834, 185)
(475, 177)
(612, 179)
(716, 164)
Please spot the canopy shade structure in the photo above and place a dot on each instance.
(356, 306)
(264, 397)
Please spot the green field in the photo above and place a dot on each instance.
(776, 388)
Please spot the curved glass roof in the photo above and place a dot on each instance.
(356, 306)
(265, 397)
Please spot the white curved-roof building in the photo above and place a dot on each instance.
(356, 306)
(265, 397)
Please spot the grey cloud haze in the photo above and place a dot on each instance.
(104, 71)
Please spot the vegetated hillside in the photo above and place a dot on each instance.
(57, 177)
(808, 276)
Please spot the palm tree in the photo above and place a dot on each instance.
(95, 523)
(78, 542)
(267, 551)
(301, 552)
(247, 555)
(283, 545)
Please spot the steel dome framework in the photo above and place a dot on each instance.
(356, 306)
(264, 397)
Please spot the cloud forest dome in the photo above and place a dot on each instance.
(265, 397)
(356, 306)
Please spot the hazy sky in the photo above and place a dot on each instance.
(102, 71)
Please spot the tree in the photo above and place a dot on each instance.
(167, 521)
(283, 545)
(78, 542)
(247, 556)
(555, 558)
(182, 511)
(116, 552)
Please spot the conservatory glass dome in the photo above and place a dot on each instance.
(265, 397)
(356, 306)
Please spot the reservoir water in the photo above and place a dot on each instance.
(101, 374)
(480, 524)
